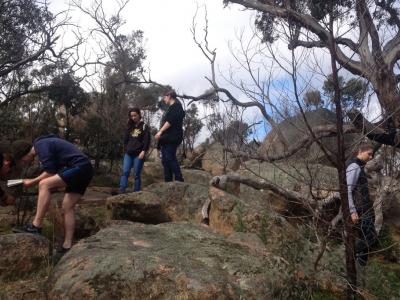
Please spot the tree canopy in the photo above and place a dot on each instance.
(366, 42)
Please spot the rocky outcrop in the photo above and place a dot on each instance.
(154, 173)
(229, 213)
(21, 254)
(215, 162)
(32, 289)
(250, 240)
(8, 218)
(160, 202)
(144, 207)
(196, 176)
(292, 129)
(166, 261)
(91, 213)
(182, 201)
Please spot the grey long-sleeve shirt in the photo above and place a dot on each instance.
(352, 174)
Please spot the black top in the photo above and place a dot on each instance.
(137, 139)
(174, 116)
(362, 202)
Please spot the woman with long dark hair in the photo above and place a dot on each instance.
(136, 144)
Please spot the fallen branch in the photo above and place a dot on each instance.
(222, 181)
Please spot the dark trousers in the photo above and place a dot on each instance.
(367, 237)
(170, 163)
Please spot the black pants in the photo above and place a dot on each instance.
(170, 163)
(367, 237)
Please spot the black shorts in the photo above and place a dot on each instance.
(77, 178)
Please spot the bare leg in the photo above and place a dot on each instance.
(68, 205)
(44, 197)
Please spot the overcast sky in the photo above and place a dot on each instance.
(172, 55)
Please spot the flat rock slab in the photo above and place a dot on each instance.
(165, 261)
(160, 202)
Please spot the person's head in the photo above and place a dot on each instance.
(22, 151)
(365, 152)
(134, 115)
(170, 97)
(6, 162)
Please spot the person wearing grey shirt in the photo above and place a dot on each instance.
(360, 205)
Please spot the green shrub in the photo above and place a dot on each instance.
(383, 280)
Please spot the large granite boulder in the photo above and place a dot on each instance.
(153, 172)
(196, 176)
(32, 288)
(91, 213)
(160, 202)
(216, 162)
(292, 129)
(229, 214)
(144, 207)
(21, 254)
(165, 261)
(8, 218)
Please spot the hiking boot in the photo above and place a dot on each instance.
(30, 228)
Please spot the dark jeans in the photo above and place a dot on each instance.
(137, 164)
(367, 237)
(170, 163)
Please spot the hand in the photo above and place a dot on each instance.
(158, 135)
(28, 182)
(354, 217)
(141, 155)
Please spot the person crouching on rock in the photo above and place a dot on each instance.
(136, 144)
(64, 166)
(6, 162)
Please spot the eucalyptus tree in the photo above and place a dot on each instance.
(365, 36)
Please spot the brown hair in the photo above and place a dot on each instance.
(136, 110)
(20, 148)
(171, 93)
(363, 147)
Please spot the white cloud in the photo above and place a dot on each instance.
(176, 60)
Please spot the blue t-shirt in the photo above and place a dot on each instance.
(55, 154)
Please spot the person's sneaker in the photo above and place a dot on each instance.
(59, 253)
(205, 221)
(117, 192)
(30, 228)
(62, 250)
